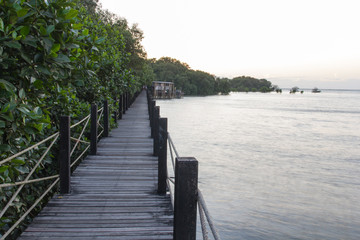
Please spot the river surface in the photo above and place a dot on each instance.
(274, 166)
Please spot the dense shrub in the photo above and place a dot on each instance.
(56, 58)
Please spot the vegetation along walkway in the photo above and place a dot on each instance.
(114, 193)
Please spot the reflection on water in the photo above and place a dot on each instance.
(275, 166)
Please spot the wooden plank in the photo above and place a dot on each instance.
(113, 194)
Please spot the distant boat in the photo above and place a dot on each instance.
(316, 90)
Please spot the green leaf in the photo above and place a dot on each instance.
(1, 25)
(72, 45)
(48, 43)
(43, 31)
(39, 83)
(8, 107)
(3, 168)
(77, 26)
(25, 57)
(43, 70)
(7, 85)
(13, 44)
(22, 169)
(25, 30)
(9, 118)
(5, 148)
(14, 35)
(24, 110)
(71, 14)
(79, 83)
(22, 12)
(22, 93)
(50, 29)
(62, 58)
(18, 161)
(85, 32)
(2, 124)
(39, 126)
(100, 40)
(30, 40)
(55, 47)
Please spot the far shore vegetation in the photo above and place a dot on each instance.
(195, 82)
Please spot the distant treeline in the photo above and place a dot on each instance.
(193, 82)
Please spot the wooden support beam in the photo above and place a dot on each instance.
(186, 195)
(106, 118)
(64, 155)
(156, 130)
(93, 129)
(162, 161)
(120, 107)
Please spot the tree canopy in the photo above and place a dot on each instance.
(194, 82)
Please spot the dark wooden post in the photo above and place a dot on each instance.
(106, 118)
(123, 103)
(64, 156)
(156, 130)
(120, 107)
(152, 109)
(127, 100)
(186, 194)
(162, 168)
(93, 129)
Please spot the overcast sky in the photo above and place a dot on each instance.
(306, 43)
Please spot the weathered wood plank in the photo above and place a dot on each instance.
(113, 194)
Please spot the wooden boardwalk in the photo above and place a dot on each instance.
(113, 193)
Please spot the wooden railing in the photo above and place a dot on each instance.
(182, 185)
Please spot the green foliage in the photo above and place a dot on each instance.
(294, 89)
(201, 83)
(244, 83)
(56, 58)
(189, 81)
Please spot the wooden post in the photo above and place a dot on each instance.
(106, 118)
(156, 130)
(123, 103)
(93, 129)
(186, 195)
(64, 155)
(148, 101)
(120, 107)
(162, 161)
(151, 116)
(127, 100)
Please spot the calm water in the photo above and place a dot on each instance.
(275, 166)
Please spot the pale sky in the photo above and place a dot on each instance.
(306, 43)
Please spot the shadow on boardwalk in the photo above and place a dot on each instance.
(113, 193)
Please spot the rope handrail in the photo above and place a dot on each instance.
(203, 210)
(43, 141)
(78, 123)
(27, 178)
(20, 184)
(173, 145)
(81, 134)
(28, 149)
(203, 207)
(30, 209)
(4, 185)
(79, 157)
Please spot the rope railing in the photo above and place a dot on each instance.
(56, 178)
(205, 217)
